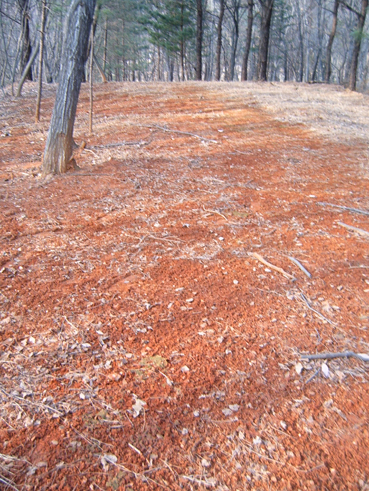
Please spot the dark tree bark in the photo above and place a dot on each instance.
(58, 151)
(265, 21)
(41, 61)
(328, 59)
(199, 36)
(26, 43)
(357, 44)
(219, 39)
(250, 21)
(234, 10)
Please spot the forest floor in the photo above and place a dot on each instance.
(143, 342)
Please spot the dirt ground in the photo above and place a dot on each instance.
(144, 343)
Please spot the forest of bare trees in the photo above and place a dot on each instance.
(178, 40)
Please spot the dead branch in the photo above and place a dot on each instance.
(329, 356)
(299, 265)
(346, 208)
(316, 311)
(214, 212)
(271, 266)
(162, 128)
(359, 231)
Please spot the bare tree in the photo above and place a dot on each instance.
(199, 36)
(219, 39)
(41, 60)
(58, 151)
(328, 59)
(265, 21)
(358, 36)
(250, 20)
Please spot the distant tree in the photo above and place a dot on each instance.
(26, 41)
(265, 22)
(358, 36)
(199, 36)
(219, 39)
(328, 60)
(58, 151)
(250, 20)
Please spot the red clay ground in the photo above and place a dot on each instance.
(142, 343)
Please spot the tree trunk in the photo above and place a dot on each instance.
(219, 40)
(199, 35)
(328, 59)
(105, 45)
(250, 21)
(92, 47)
(26, 70)
(357, 44)
(41, 59)
(266, 18)
(26, 44)
(58, 151)
(235, 35)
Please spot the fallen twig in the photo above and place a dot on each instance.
(181, 133)
(271, 266)
(312, 376)
(214, 212)
(329, 356)
(346, 208)
(299, 265)
(316, 311)
(359, 231)
(8, 483)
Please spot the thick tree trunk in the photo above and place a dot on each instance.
(58, 151)
(219, 40)
(332, 34)
(199, 35)
(250, 21)
(357, 44)
(266, 18)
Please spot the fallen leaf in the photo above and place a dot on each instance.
(299, 368)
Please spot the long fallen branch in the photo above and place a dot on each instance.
(346, 208)
(359, 231)
(271, 266)
(329, 356)
(162, 128)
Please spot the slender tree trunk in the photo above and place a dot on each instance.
(41, 60)
(266, 18)
(250, 21)
(219, 39)
(235, 37)
(328, 59)
(26, 70)
(301, 43)
(26, 44)
(92, 46)
(199, 35)
(181, 47)
(58, 151)
(105, 45)
(357, 44)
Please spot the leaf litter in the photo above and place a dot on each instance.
(142, 344)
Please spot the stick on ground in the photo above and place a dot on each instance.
(271, 266)
(329, 356)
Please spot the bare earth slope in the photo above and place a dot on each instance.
(144, 343)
